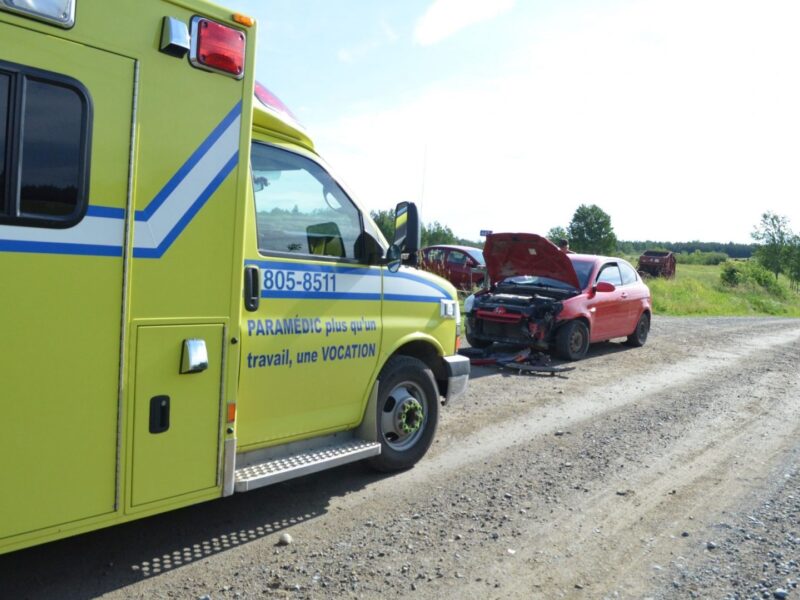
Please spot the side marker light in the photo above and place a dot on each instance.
(243, 20)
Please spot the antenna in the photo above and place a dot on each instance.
(424, 171)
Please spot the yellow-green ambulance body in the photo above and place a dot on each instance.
(192, 304)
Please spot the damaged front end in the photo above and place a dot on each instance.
(514, 315)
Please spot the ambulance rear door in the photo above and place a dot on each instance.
(65, 129)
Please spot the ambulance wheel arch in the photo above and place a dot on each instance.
(427, 350)
(406, 413)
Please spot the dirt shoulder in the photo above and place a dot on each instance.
(611, 481)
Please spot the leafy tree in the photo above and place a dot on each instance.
(556, 234)
(793, 261)
(436, 233)
(384, 219)
(774, 234)
(590, 231)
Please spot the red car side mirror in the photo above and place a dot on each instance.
(604, 286)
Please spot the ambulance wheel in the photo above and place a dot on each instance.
(408, 411)
(572, 340)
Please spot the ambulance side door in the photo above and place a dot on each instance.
(310, 350)
(65, 123)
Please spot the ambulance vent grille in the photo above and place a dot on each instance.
(303, 463)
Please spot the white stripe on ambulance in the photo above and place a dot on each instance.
(151, 233)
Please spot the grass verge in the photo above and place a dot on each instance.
(698, 290)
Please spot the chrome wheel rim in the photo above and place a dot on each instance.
(404, 415)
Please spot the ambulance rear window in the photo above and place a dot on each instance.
(44, 148)
(51, 143)
(4, 85)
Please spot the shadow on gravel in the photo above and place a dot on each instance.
(100, 562)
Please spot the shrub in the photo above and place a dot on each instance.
(730, 274)
(760, 276)
(750, 272)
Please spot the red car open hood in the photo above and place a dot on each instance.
(514, 254)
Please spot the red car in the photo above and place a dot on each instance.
(551, 300)
(463, 266)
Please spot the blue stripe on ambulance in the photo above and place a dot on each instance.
(399, 287)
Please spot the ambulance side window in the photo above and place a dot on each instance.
(300, 209)
(44, 148)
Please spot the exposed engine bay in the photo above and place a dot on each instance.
(515, 313)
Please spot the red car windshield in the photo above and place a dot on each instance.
(477, 255)
(583, 269)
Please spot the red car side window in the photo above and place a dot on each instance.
(610, 273)
(628, 274)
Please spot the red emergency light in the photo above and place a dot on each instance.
(270, 100)
(217, 47)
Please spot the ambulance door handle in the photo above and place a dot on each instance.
(159, 414)
(252, 289)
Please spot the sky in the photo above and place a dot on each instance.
(679, 118)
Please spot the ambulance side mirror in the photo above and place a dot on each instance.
(394, 258)
(406, 235)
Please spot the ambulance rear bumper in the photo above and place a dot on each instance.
(457, 376)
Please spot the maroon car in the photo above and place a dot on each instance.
(463, 266)
(547, 299)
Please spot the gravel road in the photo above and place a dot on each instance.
(669, 471)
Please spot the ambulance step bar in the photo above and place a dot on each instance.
(273, 465)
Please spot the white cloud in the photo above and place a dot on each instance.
(678, 118)
(447, 17)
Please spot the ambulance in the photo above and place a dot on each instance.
(192, 304)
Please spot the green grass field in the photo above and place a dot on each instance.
(697, 290)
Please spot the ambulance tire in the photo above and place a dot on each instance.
(407, 413)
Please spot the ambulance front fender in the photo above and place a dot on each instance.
(451, 372)
(412, 341)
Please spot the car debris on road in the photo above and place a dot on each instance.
(523, 361)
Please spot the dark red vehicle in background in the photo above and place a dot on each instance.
(544, 298)
(463, 266)
(657, 263)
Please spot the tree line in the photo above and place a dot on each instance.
(776, 247)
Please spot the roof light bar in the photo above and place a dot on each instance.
(217, 47)
(56, 12)
(271, 101)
